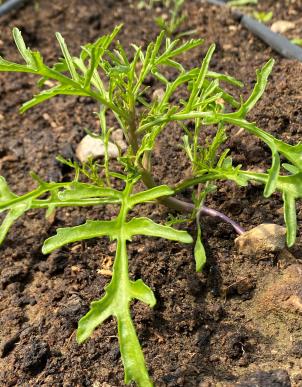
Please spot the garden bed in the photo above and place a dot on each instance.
(218, 326)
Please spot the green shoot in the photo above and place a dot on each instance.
(171, 22)
(297, 41)
(176, 18)
(263, 17)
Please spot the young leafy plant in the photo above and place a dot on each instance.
(263, 17)
(297, 41)
(174, 18)
(116, 81)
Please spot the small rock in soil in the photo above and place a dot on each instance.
(276, 378)
(266, 238)
(118, 138)
(282, 26)
(158, 94)
(94, 147)
(35, 357)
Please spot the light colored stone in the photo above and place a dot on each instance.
(94, 147)
(158, 94)
(118, 138)
(263, 238)
(282, 26)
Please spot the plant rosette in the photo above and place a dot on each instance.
(117, 82)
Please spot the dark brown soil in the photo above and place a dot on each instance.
(208, 329)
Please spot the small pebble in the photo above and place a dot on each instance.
(158, 94)
(282, 26)
(94, 147)
(118, 138)
(266, 238)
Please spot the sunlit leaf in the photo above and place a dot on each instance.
(151, 194)
(145, 226)
(88, 230)
(199, 251)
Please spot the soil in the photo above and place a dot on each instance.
(226, 326)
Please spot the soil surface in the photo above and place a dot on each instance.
(236, 324)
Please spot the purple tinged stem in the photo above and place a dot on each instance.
(214, 213)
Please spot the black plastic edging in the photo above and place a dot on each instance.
(277, 42)
(9, 5)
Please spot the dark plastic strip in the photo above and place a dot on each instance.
(9, 5)
(277, 42)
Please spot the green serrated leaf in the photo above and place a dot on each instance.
(291, 168)
(98, 313)
(199, 251)
(12, 215)
(225, 78)
(239, 3)
(271, 184)
(8, 66)
(78, 191)
(262, 77)
(290, 218)
(5, 192)
(26, 53)
(140, 291)
(145, 226)
(50, 93)
(68, 58)
(151, 194)
(88, 230)
(116, 301)
(197, 86)
(132, 355)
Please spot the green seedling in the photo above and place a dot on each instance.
(297, 41)
(175, 19)
(263, 17)
(116, 81)
(171, 22)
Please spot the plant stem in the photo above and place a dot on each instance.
(183, 206)
(217, 214)
(172, 202)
